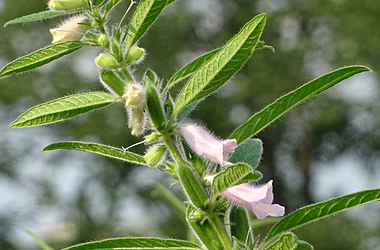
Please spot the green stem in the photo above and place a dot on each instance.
(126, 74)
(171, 148)
(220, 231)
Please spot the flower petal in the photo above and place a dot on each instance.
(263, 210)
(206, 145)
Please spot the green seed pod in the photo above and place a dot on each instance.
(135, 54)
(193, 186)
(155, 154)
(68, 4)
(105, 61)
(154, 106)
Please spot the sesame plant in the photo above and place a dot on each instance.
(218, 177)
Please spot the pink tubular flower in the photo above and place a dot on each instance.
(259, 199)
(206, 145)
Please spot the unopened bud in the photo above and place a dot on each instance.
(155, 154)
(151, 138)
(105, 61)
(135, 54)
(71, 30)
(68, 4)
(103, 40)
(135, 95)
(136, 121)
(208, 180)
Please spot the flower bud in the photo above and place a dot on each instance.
(105, 61)
(136, 121)
(151, 138)
(103, 40)
(155, 154)
(71, 30)
(135, 95)
(135, 54)
(68, 4)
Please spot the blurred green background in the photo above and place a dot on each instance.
(326, 147)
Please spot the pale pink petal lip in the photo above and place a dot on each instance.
(259, 199)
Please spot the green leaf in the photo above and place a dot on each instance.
(135, 244)
(239, 224)
(100, 149)
(170, 1)
(289, 241)
(111, 4)
(152, 77)
(35, 17)
(186, 111)
(249, 152)
(321, 210)
(41, 57)
(194, 65)
(270, 113)
(63, 109)
(147, 11)
(233, 175)
(216, 71)
(112, 82)
(190, 68)
(40, 242)
(203, 230)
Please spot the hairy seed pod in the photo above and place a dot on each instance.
(154, 106)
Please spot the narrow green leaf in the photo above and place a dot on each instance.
(100, 149)
(217, 70)
(203, 230)
(111, 4)
(112, 82)
(147, 11)
(249, 152)
(40, 242)
(170, 1)
(152, 77)
(190, 68)
(321, 210)
(270, 113)
(239, 224)
(41, 57)
(186, 111)
(289, 241)
(63, 109)
(135, 244)
(233, 175)
(35, 17)
(194, 65)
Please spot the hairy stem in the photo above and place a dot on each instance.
(220, 231)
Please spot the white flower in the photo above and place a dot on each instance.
(135, 95)
(70, 30)
(136, 120)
